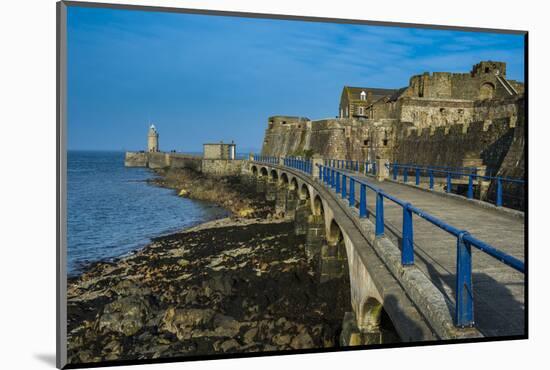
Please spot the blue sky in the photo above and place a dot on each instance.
(208, 78)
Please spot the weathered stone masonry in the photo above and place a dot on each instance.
(446, 119)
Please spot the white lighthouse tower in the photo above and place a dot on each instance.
(153, 139)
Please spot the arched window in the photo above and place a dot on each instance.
(486, 91)
(363, 95)
(361, 111)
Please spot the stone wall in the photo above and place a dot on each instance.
(162, 160)
(344, 138)
(135, 159)
(222, 167)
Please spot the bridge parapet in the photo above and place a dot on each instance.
(464, 314)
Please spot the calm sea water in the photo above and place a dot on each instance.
(113, 211)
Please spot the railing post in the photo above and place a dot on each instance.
(366, 168)
(470, 187)
(379, 230)
(356, 166)
(337, 182)
(464, 311)
(321, 168)
(352, 192)
(332, 180)
(417, 182)
(499, 192)
(407, 246)
(344, 193)
(374, 168)
(431, 173)
(449, 185)
(395, 172)
(363, 201)
(405, 174)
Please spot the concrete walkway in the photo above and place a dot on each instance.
(498, 289)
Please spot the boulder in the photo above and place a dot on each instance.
(125, 315)
(302, 340)
(226, 326)
(250, 335)
(181, 322)
(229, 345)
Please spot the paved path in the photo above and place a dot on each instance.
(498, 289)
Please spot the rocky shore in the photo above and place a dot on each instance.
(237, 285)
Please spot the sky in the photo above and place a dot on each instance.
(203, 78)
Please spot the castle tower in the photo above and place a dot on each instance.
(153, 139)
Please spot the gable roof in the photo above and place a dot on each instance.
(354, 93)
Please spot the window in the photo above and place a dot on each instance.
(284, 122)
(361, 111)
(385, 142)
(363, 95)
(441, 110)
(366, 142)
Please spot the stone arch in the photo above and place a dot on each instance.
(254, 170)
(370, 314)
(304, 192)
(263, 172)
(487, 90)
(273, 175)
(294, 184)
(318, 209)
(284, 179)
(335, 235)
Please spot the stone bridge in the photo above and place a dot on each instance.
(419, 299)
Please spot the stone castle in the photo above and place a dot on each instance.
(440, 118)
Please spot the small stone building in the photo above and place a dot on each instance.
(219, 151)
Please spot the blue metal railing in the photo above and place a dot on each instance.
(304, 165)
(266, 159)
(464, 314)
(366, 167)
(449, 175)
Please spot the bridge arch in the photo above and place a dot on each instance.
(284, 179)
(318, 209)
(263, 172)
(304, 192)
(334, 235)
(254, 171)
(273, 175)
(294, 184)
(370, 315)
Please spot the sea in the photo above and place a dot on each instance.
(113, 211)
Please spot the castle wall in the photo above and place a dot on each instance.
(424, 113)
(357, 139)
(451, 146)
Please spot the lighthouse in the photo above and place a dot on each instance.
(153, 139)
